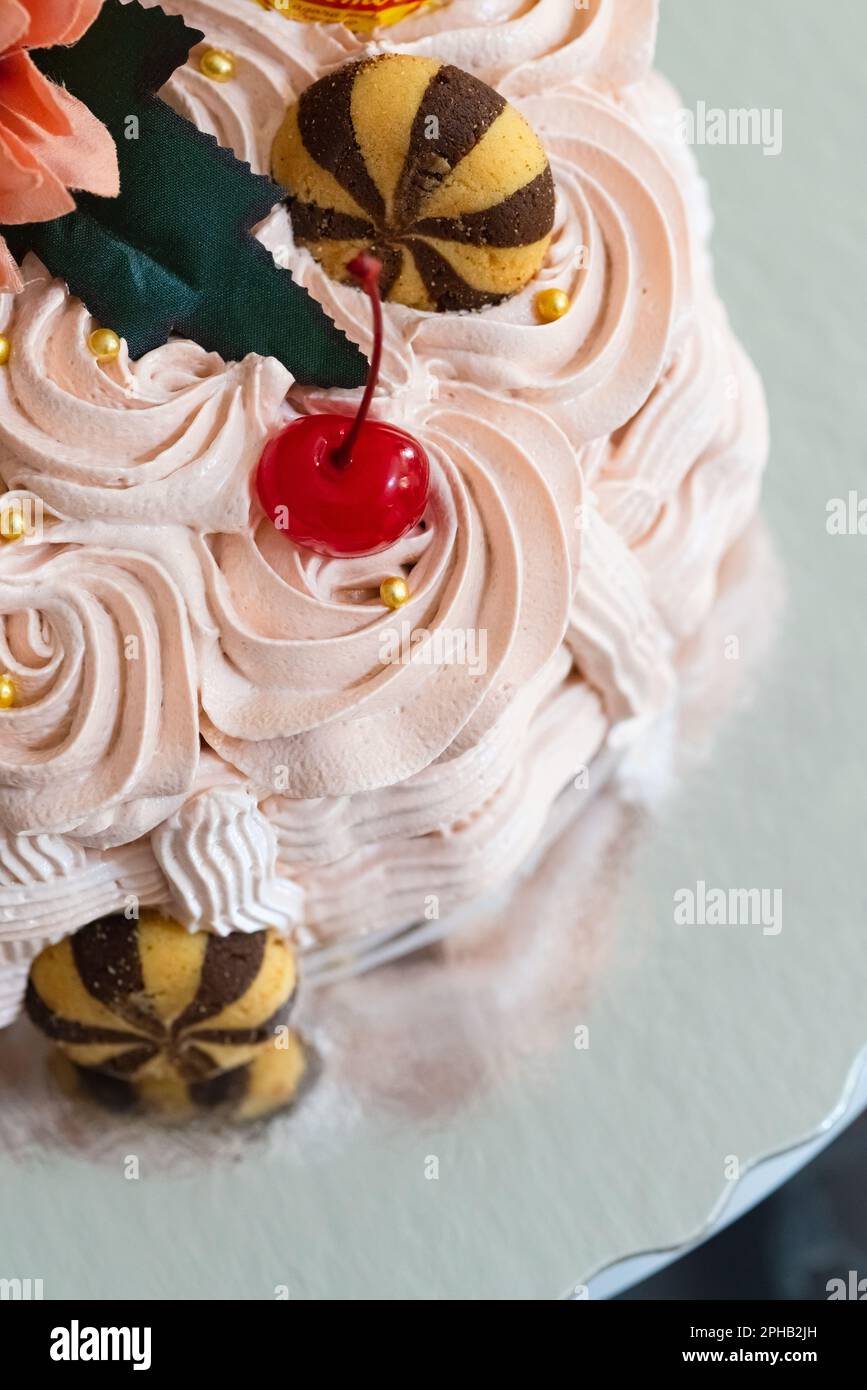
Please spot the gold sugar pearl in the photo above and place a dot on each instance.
(217, 64)
(7, 691)
(12, 524)
(5, 349)
(394, 591)
(104, 344)
(551, 305)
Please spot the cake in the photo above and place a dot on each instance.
(209, 722)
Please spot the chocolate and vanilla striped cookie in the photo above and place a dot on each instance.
(270, 1081)
(154, 1004)
(428, 168)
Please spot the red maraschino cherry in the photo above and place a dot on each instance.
(340, 486)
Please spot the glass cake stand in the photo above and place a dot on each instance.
(567, 1077)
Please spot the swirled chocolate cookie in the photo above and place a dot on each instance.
(157, 1005)
(428, 168)
(268, 1082)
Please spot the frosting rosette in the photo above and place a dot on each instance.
(311, 689)
(620, 247)
(523, 48)
(620, 250)
(219, 857)
(678, 483)
(518, 47)
(105, 722)
(670, 494)
(172, 437)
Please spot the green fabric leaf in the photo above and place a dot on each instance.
(174, 252)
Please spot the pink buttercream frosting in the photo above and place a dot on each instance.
(172, 437)
(215, 722)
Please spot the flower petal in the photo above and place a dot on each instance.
(82, 16)
(19, 172)
(86, 158)
(14, 22)
(56, 21)
(26, 93)
(42, 198)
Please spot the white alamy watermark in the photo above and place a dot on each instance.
(729, 907)
(736, 125)
(77, 1343)
(853, 1288)
(445, 646)
(21, 1290)
(846, 516)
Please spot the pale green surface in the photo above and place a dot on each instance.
(702, 1046)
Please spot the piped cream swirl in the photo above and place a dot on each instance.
(314, 688)
(172, 437)
(522, 48)
(619, 247)
(219, 857)
(518, 47)
(98, 645)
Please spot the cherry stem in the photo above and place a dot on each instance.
(366, 270)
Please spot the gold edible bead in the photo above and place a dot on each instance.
(12, 524)
(394, 591)
(551, 305)
(217, 64)
(104, 344)
(5, 349)
(7, 691)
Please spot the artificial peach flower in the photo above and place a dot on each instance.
(49, 141)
